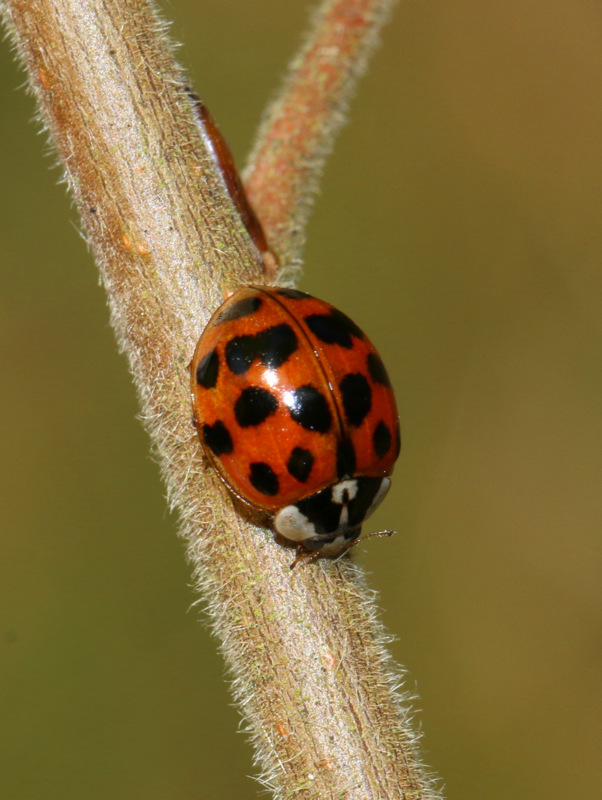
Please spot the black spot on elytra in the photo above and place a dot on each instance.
(309, 408)
(377, 370)
(397, 439)
(272, 347)
(276, 345)
(346, 322)
(207, 370)
(334, 328)
(253, 406)
(300, 463)
(357, 397)
(217, 438)
(263, 478)
(352, 534)
(345, 459)
(381, 439)
(242, 308)
(293, 294)
(240, 353)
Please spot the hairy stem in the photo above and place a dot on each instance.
(299, 128)
(306, 653)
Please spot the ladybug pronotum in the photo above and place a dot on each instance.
(295, 411)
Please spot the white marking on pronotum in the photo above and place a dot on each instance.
(339, 489)
(293, 525)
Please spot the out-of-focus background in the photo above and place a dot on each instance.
(460, 224)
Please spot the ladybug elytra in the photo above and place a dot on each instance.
(295, 411)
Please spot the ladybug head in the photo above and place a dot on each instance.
(330, 520)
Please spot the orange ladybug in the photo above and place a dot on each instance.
(295, 411)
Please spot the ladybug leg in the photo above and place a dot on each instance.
(303, 554)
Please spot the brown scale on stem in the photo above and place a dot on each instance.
(223, 156)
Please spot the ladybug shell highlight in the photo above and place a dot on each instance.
(295, 411)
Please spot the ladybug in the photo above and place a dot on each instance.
(294, 409)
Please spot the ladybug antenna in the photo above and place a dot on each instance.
(386, 532)
(359, 540)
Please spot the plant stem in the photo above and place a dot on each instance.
(305, 650)
(298, 130)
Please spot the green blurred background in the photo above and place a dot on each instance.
(460, 225)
